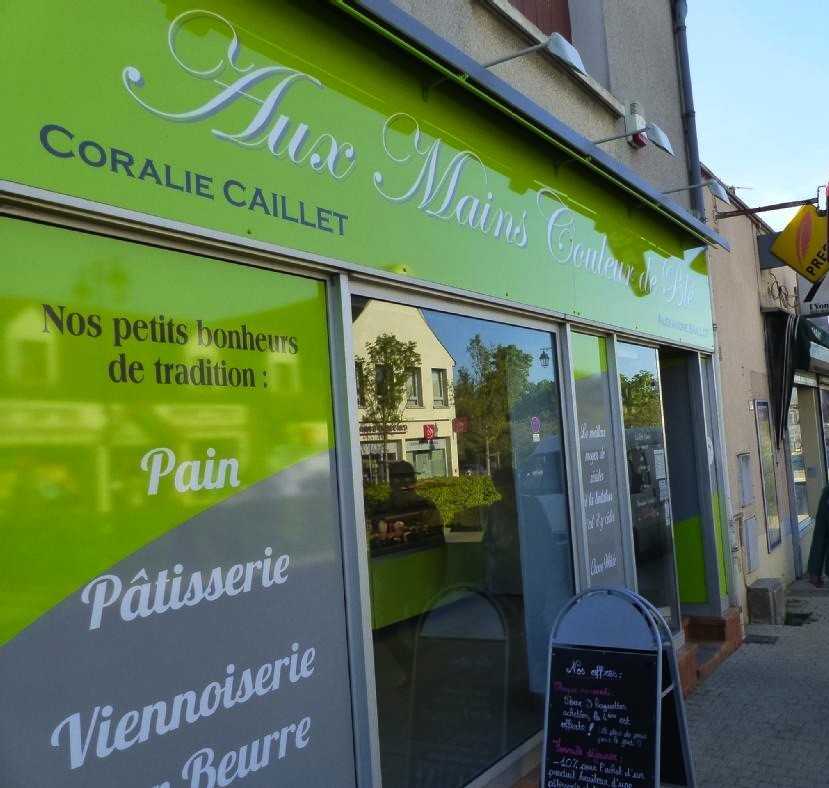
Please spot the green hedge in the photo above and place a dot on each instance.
(450, 494)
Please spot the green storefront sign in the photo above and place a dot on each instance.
(275, 123)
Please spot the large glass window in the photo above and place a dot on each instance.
(824, 417)
(414, 394)
(470, 556)
(650, 501)
(550, 16)
(440, 395)
(768, 475)
(801, 499)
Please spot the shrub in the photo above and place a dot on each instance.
(452, 494)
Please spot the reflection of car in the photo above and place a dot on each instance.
(648, 538)
(543, 473)
(648, 490)
(544, 539)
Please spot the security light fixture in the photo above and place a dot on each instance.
(556, 45)
(714, 186)
(639, 131)
(652, 134)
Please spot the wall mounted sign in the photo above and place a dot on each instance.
(171, 598)
(275, 122)
(802, 244)
(597, 461)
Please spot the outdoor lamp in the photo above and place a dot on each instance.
(639, 131)
(556, 45)
(544, 358)
(714, 186)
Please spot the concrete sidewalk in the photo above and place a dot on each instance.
(760, 720)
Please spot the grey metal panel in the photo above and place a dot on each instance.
(767, 258)
(354, 545)
(606, 621)
(589, 37)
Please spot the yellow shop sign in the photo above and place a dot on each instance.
(802, 244)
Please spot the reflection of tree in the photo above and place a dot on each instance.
(640, 400)
(484, 393)
(381, 378)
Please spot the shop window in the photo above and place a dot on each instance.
(376, 457)
(768, 475)
(650, 500)
(824, 418)
(283, 374)
(745, 479)
(470, 557)
(414, 391)
(360, 371)
(797, 459)
(549, 16)
(428, 457)
(381, 379)
(440, 394)
(31, 354)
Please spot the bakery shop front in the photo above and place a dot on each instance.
(320, 397)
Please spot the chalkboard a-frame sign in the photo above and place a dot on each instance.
(615, 715)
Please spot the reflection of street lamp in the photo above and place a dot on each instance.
(544, 358)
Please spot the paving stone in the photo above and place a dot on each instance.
(759, 720)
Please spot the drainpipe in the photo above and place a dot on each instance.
(689, 119)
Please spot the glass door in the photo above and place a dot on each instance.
(650, 499)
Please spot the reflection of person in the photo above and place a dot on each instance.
(404, 517)
(404, 509)
(638, 471)
(820, 541)
(502, 553)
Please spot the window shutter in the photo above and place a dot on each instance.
(550, 16)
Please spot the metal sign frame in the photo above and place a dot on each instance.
(603, 618)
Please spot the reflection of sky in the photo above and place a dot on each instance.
(631, 359)
(456, 332)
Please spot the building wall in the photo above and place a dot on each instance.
(740, 291)
(641, 65)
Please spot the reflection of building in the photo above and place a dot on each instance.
(424, 437)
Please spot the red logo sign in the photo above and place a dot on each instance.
(430, 432)
(460, 424)
(804, 237)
